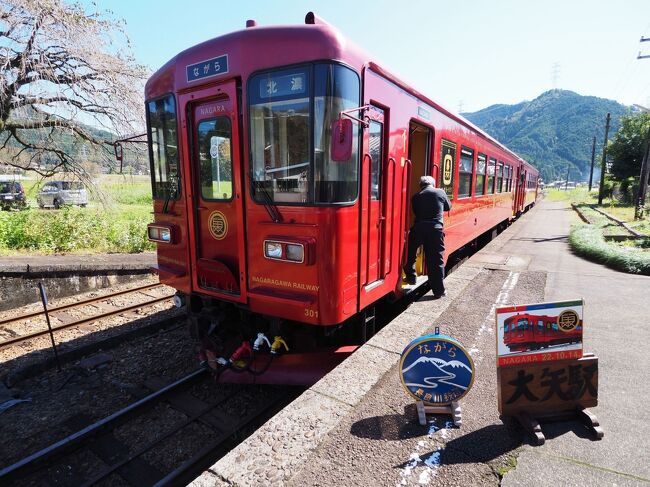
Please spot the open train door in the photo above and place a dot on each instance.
(217, 249)
(373, 265)
(520, 193)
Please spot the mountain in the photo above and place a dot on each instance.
(554, 131)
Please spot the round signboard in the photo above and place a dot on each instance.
(436, 370)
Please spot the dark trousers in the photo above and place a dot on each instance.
(433, 240)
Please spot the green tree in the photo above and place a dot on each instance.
(626, 148)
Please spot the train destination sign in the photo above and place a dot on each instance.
(208, 68)
(539, 332)
(436, 370)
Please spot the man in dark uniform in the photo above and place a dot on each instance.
(428, 206)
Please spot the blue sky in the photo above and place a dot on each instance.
(465, 54)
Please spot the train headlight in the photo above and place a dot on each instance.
(295, 252)
(273, 250)
(159, 234)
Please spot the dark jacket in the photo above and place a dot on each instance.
(429, 204)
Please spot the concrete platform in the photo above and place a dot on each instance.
(358, 427)
(65, 275)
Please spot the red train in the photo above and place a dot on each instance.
(524, 332)
(268, 226)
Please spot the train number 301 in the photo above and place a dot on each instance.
(311, 313)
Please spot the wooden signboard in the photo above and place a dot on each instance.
(550, 391)
(540, 388)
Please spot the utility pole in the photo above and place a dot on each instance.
(593, 158)
(640, 56)
(639, 211)
(601, 191)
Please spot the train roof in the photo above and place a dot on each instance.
(275, 46)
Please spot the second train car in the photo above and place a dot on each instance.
(279, 239)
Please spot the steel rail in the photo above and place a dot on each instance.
(28, 464)
(79, 303)
(82, 321)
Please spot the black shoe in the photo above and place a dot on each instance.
(438, 296)
(409, 280)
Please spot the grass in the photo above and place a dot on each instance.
(589, 242)
(115, 221)
(73, 229)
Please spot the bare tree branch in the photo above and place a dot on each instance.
(63, 69)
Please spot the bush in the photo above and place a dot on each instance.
(588, 241)
(74, 229)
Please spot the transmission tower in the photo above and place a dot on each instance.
(555, 74)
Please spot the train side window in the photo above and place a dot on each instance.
(465, 172)
(499, 177)
(215, 159)
(375, 151)
(492, 167)
(447, 161)
(481, 166)
(540, 325)
(163, 147)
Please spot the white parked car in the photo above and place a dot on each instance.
(58, 193)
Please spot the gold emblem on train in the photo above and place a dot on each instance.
(568, 320)
(446, 169)
(218, 225)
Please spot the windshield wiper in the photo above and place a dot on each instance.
(172, 190)
(269, 205)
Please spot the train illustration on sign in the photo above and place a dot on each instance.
(283, 161)
(528, 332)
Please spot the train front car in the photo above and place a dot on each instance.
(256, 226)
(283, 161)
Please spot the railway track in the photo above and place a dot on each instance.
(66, 321)
(68, 461)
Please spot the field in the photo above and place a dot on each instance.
(115, 220)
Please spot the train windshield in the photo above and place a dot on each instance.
(163, 147)
(291, 111)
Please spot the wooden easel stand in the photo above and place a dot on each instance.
(453, 410)
(531, 423)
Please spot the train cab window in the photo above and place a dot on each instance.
(336, 89)
(492, 167)
(280, 134)
(215, 159)
(465, 172)
(290, 112)
(447, 161)
(481, 165)
(522, 324)
(163, 147)
(499, 182)
(554, 326)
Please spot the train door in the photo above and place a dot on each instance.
(419, 150)
(374, 185)
(218, 251)
(520, 194)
